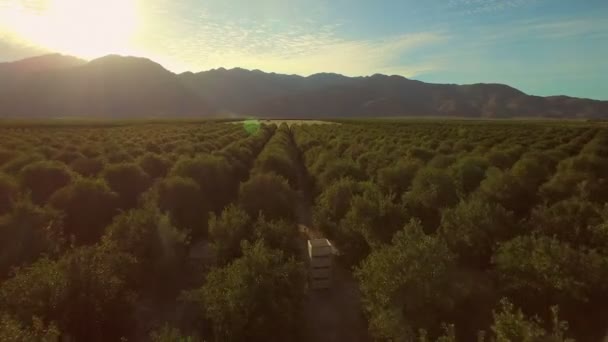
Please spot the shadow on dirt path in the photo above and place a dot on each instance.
(335, 314)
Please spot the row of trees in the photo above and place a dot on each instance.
(454, 230)
(447, 219)
(93, 249)
(256, 292)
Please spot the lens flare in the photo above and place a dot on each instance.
(252, 126)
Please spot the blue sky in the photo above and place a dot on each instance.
(543, 47)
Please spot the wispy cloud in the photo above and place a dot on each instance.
(309, 55)
(303, 48)
(557, 30)
(485, 6)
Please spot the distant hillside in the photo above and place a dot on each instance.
(41, 63)
(115, 86)
(111, 86)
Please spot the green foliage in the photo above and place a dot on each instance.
(374, 215)
(88, 206)
(501, 159)
(158, 247)
(334, 202)
(227, 231)
(335, 215)
(510, 324)
(432, 189)
(441, 161)
(279, 156)
(8, 193)
(280, 235)
(170, 334)
(84, 292)
(255, 298)
(398, 178)
(405, 286)
(42, 179)
(543, 269)
(87, 167)
(213, 175)
(449, 335)
(422, 154)
(181, 198)
(12, 330)
(6, 155)
(562, 185)
(128, 181)
(154, 165)
(67, 157)
(14, 166)
(342, 168)
(568, 220)
(533, 169)
(268, 194)
(25, 234)
(468, 173)
(520, 207)
(473, 227)
(512, 193)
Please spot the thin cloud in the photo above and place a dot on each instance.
(353, 58)
(301, 49)
(486, 6)
(541, 29)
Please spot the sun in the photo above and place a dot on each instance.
(84, 28)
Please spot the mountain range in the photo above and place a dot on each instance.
(128, 87)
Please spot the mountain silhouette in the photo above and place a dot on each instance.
(116, 86)
(111, 86)
(38, 64)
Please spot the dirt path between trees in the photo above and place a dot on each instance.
(335, 314)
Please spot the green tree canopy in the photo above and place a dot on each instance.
(26, 233)
(154, 165)
(213, 175)
(87, 167)
(8, 193)
(536, 271)
(128, 181)
(181, 198)
(226, 232)
(158, 247)
(468, 172)
(397, 179)
(12, 330)
(432, 190)
(42, 179)
(268, 194)
(405, 286)
(88, 206)
(255, 298)
(473, 227)
(280, 235)
(84, 292)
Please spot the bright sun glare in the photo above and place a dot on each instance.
(85, 28)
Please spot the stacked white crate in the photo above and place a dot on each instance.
(320, 253)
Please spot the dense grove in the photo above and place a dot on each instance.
(454, 231)
(447, 224)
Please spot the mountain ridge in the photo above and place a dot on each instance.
(118, 86)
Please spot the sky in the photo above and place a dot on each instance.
(542, 47)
